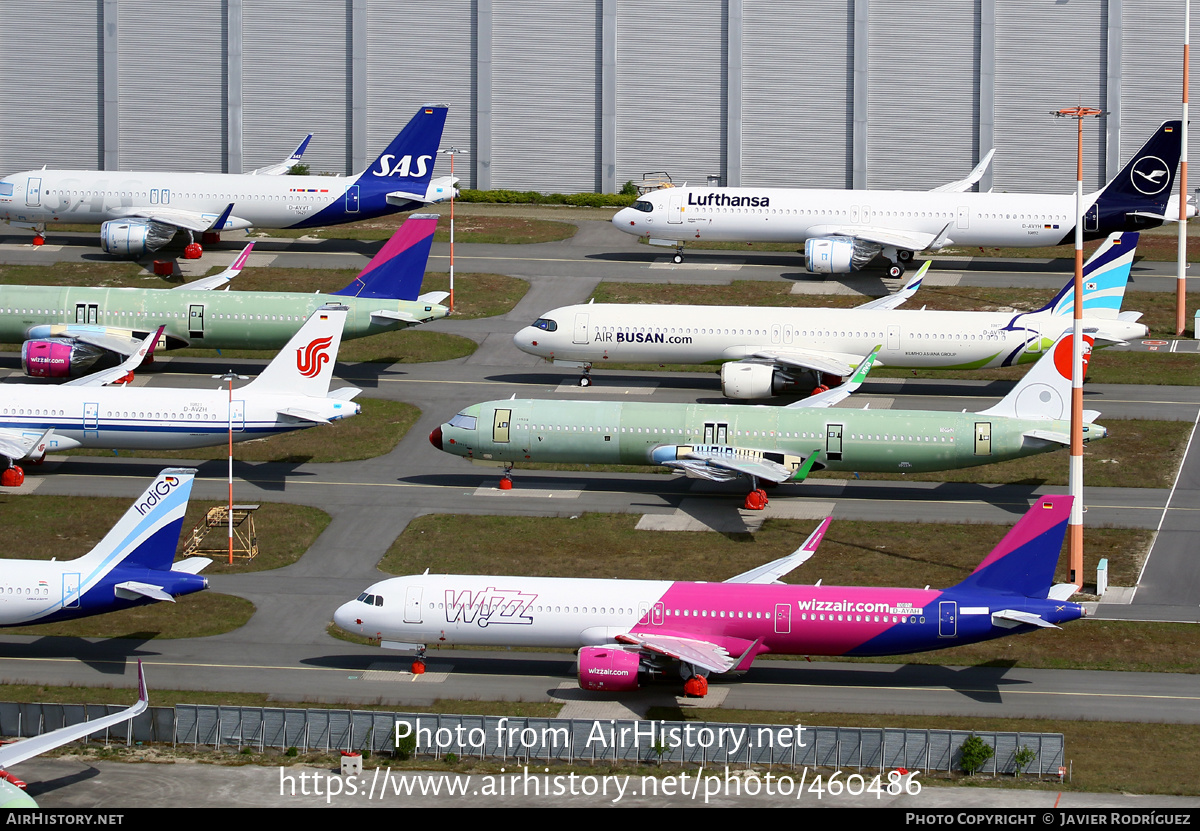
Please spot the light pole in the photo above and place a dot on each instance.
(1075, 476)
(1181, 273)
(230, 376)
(450, 151)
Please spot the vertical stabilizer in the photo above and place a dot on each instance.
(148, 534)
(406, 166)
(1105, 277)
(305, 365)
(1045, 390)
(396, 272)
(1023, 563)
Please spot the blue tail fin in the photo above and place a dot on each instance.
(396, 272)
(1023, 563)
(1105, 276)
(406, 166)
(1145, 183)
(148, 534)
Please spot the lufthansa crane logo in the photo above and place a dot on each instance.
(1150, 175)
(311, 358)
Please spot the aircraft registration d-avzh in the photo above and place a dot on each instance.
(292, 393)
(764, 351)
(141, 212)
(68, 330)
(722, 442)
(843, 230)
(629, 630)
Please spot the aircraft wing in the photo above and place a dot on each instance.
(21, 444)
(218, 280)
(719, 467)
(896, 237)
(11, 754)
(891, 301)
(772, 571)
(974, 176)
(177, 218)
(843, 391)
(285, 165)
(703, 654)
(831, 363)
(108, 376)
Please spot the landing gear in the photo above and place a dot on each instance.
(12, 477)
(678, 258)
(418, 664)
(904, 256)
(756, 500)
(897, 257)
(506, 482)
(895, 270)
(585, 380)
(39, 239)
(695, 681)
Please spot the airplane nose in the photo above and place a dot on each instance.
(526, 340)
(345, 619)
(435, 438)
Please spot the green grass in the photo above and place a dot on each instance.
(468, 228)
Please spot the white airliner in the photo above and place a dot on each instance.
(292, 393)
(142, 212)
(843, 230)
(765, 351)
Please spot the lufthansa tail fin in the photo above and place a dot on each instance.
(148, 534)
(396, 272)
(305, 365)
(1146, 182)
(1105, 277)
(1023, 563)
(406, 166)
(1045, 390)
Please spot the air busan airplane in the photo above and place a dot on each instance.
(764, 351)
(722, 442)
(68, 331)
(627, 630)
(292, 393)
(142, 212)
(843, 230)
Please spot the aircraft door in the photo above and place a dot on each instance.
(893, 338)
(239, 416)
(500, 424)
(33, 193)
(783, 618)
(1091, 219)
(948, 619)
(581, 329)
(196, 321)
(86, 312)
(91, 418)
(833, 442)
(352, 199)
(964, 218)
(412, 605)
(983, 438)
(70, 590)
(675, 208)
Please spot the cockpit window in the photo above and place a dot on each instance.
(545, 323)
(643, 206)
(379, 600)
(466, 422)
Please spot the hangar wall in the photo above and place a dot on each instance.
(583, 96)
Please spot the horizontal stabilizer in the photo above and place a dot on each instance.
(192, 565)
(387, 315)
(772, 571)
(1061, 591)
(303, 415)
(132, 590)
(345, 393)
(433, 296)
(1009, 618)
(401, 198)
(1049, 435)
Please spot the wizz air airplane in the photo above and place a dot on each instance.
(723, 442)
(292, 393)
(767, 351)
(142, 212)
(68, 331)
(629, 630)
(843, 230)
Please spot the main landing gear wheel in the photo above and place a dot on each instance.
(418, 664)
(678, 258)
(12, 477)
(585, 380)
(904, 256)
(756, 500)
(896, 270)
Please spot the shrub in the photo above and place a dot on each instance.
(974, 754)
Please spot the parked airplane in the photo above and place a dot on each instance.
(292, 393)
(843, 230)
(628, 630)
(765, 351)
(72, 329)
(142, 212)
(722, 442)
(12, 789)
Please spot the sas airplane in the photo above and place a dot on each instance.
(292, 393)
(67, 331)
(766, 351)
(627, 631)
(843, 230)
(142, 212)
(722, 442)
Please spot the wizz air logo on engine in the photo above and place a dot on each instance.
(311, 358)
(404, 167)
(489, 607)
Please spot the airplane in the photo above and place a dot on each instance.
(68, 331)
(292, 393)
(843, 230)
(12, 789)
(765, 351)
(723, 442)
(627, 631)
(141, 212)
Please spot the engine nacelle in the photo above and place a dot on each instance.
(608, 668)
(58, 358)
(838, 255)
(747, 380)
(134, 237)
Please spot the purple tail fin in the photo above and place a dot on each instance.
(1024, 561)
(396, 272)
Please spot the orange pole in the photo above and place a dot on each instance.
(1181, 271)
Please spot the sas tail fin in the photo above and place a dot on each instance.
(1144, 185)
(148, 534)
(1045, 390)
(1024, 561)
(305, 365)
(1105, 277)
(406, 166)
(396, 272)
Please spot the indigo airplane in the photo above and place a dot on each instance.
(766, 351)
(68, 330)
(292, 393)
(142, 212)
(629, 630)
(722, 442)
(843, 230)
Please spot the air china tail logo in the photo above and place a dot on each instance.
(157, 492)
(489, 607)
(404, 167)
(311, 358)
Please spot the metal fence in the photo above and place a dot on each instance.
(534, 741)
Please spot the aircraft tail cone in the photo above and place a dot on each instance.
(435, 438)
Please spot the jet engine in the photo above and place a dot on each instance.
(746, 380)
(58, 358)
(134, 237)
(608, 668)
(838, 255)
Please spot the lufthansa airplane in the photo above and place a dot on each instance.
(292, 393)
(766, 351)
(843, 230)
(142, 212)
(627, 631)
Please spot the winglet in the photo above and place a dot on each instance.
(220, 221)
(974, 176)
(806, 468)
(841, 392)
(220, 279)
(891, 301)
(772, 571)
(123, 373)
(143, 693)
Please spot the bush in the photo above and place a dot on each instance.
(974, 754)
(533, 197)
(1023, 758)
